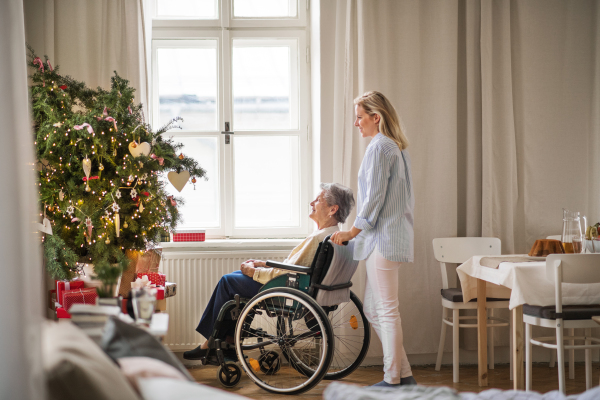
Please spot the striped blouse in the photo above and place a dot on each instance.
(385, 202)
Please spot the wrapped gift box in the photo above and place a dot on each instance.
(160, 293)
(62, 286)
(81, 296)
(154, 277)
(170, 289)
(62, 313)
(189, 235)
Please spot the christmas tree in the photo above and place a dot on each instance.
(100, 167)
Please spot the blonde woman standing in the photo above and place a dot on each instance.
(383, 227)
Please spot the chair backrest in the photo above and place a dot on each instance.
(571, 268)
(458, 250)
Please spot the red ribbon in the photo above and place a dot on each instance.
(39, 61)
(111, 119)
(80, 127)
(105, 112)
(50, 66)
(90, 178)
(129, 108)
(160, 159)
(63, 87)
(146, 194)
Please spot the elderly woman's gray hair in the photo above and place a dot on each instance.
(341, 196)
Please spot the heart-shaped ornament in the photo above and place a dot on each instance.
(142, 148)
(45, 227)
(178, 180)
(87, 167)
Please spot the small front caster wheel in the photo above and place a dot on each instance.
(229, 375)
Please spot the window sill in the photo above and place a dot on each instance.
(231, 245)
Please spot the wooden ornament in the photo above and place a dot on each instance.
(117, 225)
(139, 149)
(178, 180)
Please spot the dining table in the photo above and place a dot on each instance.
(522, 280)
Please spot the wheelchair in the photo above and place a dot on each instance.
(302, 327)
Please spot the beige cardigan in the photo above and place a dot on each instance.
(302, 254)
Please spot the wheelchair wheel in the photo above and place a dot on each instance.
(352, 334)
(229, 374)
(273, 324)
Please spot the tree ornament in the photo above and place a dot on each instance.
(181, 157)
(139, 149)
(107, 241)
(118, 194)
(70, 210)
(133, 193)
(141, 207)
(118, 225)
(115, 207)
(58, 124)
(125, 225)
(50, 208)
(88, 224)
(80, 201)
(141, 164)
(178, 179)
(61, 195)
(194, 182)
(87, 169)
(130, 179)
(115, 152)
(101, 167)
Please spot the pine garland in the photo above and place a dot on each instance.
(73, 123)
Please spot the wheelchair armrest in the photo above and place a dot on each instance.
(290, 267)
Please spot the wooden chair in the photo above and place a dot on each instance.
(457, 251)
(580, 269)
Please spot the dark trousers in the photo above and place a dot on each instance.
(229, 285)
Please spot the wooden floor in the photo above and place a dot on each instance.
(545, 379)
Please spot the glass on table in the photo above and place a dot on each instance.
(144, 302)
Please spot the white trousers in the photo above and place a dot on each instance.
(381, 309)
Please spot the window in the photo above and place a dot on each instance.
(237, 66)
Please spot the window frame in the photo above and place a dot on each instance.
(173, 33)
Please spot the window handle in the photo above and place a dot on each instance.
(227, 132)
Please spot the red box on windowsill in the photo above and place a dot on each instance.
(62, 286)
(79, 296)
(189, 235)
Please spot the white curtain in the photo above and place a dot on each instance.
(91, 39)
(500, 100)
(21, 375)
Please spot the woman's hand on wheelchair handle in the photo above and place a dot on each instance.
(341, 236)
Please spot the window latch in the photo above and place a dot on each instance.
(227, 132)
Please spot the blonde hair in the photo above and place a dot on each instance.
(389, 123)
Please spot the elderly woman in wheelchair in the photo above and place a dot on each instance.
(294, 323)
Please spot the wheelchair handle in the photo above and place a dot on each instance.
(328, 238)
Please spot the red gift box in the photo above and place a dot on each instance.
(154, 277)
(189, 235)
(61, 286)
(160, 293)
(79, 296)
(62, 313)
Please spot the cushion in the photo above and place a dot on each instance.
(121, 339)
(569, 312)
(455, 295)
(77, 368)
(135, 368)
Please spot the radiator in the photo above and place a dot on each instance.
(196, 275)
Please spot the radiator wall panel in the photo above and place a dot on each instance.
(196, 275)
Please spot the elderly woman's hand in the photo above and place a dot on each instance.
(247, 269)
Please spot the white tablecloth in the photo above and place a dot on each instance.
(524, 283)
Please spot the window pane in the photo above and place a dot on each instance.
(187, 86)
(264, 8)
(264, 90)
(196, 9)
(266, 181)
(201, 209)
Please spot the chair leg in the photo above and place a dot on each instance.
(588, 360)
(528, 357)
(560, 354)
(455, 353)
(510, 344)
(491, 343)
(572, 356)
(438, 363)
(552, 362)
